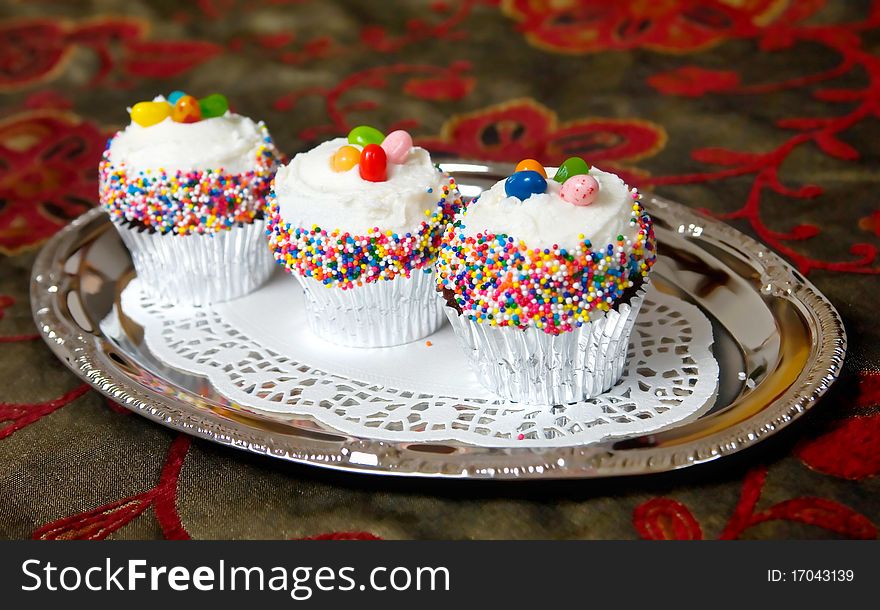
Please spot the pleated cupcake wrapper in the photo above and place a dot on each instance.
(531, 366)
(201, 269)
(378, 314)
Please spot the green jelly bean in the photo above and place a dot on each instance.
(573, 166)
(364, 134)
(213, 105)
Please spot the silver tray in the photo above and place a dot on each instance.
(769, 322)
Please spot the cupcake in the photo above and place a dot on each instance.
(185, 185)
(358, 222)
(543, 280)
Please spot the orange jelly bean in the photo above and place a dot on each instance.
(345, 158)
(530, 165)
(186, 110)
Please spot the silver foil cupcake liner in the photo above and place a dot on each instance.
(200, 269)
(531, 366)
(378, 314)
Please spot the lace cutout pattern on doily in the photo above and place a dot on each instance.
(671, 377)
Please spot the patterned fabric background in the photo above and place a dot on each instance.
(763, 112)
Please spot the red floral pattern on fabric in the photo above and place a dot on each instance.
(422, 80)
(850, 448)
(47, 175)
(5, 303)
(694, 81)
(36, 50)
(343, 536)
(667, 519)
(221, 9)
(116, 408)
(100, 522)
(524, 128)
(20, 415)
(590, 26)
(826, 133)
(297, 48)
(103, 521)
(440, 89)
(871, 223)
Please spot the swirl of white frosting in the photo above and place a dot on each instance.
(309, 192)
(546, 219)
(229, 142)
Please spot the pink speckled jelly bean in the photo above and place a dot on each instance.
(397, 145)
(580, 190)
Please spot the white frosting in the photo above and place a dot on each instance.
(309, 192)
(229, 142)
(546, 219)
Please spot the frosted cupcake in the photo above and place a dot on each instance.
(543, 280)
(185, 184)
(358, 222)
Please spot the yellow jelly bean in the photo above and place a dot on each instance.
(150, 113)
(345, 158)
(530, 165)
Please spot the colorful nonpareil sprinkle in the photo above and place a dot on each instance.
(498, 280)
(188, 202)
(338, 258)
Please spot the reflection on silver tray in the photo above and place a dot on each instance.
(778, 340)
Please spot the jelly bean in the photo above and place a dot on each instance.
(150, 113)
(531, 165)
(186, 110)
(373, 163)
(523, 185)
(345, 158)
(213, 105)
(580, 190)
(397, 145)
(364, 134)
(174, 96)
(573, 166)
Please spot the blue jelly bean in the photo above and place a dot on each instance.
(174, 96)
(523, 185)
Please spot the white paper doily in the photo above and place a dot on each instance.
(258, 352)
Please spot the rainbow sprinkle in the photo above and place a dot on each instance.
(183, 203)
(338, 258)
(499, 281)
